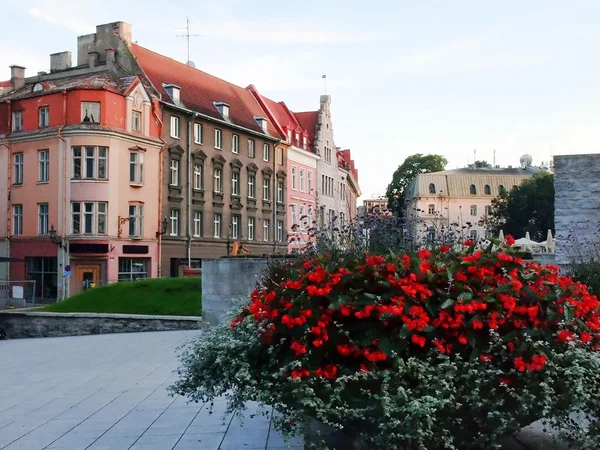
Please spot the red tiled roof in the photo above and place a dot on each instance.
(346, 162)
(308, 121)
(5, 84)
(199, 90)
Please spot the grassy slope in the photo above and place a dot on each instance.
(163, 296)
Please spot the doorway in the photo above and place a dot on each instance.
(87, 276)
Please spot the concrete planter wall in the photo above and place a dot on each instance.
(26, 324)
(225, 279)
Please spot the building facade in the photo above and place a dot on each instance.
(82, 146)
(459, 198)
(349, 190)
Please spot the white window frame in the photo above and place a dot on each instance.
(44, 116)
(90, 107)
(136, 220)
(310, 181)
(235, 144)
(473, 210)
(431, 209)
(99, 158)
(235, 183)
(174, 222)
(17, 223)
(302, 180)
(43, 166)
(43, 212)
(17, 121)
(251, 223)
(266, 152)
(136, 121)
(235, 227)
(197, 133)
(294, 214)
(280, 192)
(279, 231)
(198, 176)
(294, 178)
(197, 223)
(217, 227)
(251, 186)
(266, 229)
(251, 148)
(175, 132)
(266, 189)
(136, 167)
(18, 159)
(218, 180)
(174, 172)
(218, 139)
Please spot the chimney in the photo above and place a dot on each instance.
(17, 76)
(60, 61)
(93, 58)
(110, 57)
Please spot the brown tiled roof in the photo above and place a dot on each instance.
(105, 80)
(308, 121)
(199, 90)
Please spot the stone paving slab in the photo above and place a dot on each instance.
(109, 392)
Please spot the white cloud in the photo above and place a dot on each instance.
(61, 13)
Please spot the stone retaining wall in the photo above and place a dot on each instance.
(25, 324)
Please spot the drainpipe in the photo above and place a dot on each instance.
(188, 188)
(63, 199)
(276, 182)
(160, 186)
(9, 203)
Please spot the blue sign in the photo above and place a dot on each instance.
(67, 274)
(67, 268)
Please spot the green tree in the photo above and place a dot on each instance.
(528, 207)
(406, 172)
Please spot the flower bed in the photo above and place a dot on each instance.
(442, 349)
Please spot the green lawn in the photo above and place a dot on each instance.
(161, 296)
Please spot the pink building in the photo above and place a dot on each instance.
(301, 169)
(82, 146)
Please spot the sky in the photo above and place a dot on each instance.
(459, 79)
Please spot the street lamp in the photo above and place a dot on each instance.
(164, 226)
(53, 237)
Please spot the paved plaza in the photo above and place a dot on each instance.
(109, 392)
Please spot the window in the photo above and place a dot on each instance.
(310, 181)
(327, 153)
(131, 269)
(175, 127)
(251, 186)
(235, 183)
(473, 190)
(136, 121)
(280, 191)
(88, 218)
(302, 183)
(217, 181)
(44, 272)
(294, 178)
(218, 139)
(473, 235)
(473, 210)
(197, 223)
(17, 121)
(294, 215)
(136, 220)
(44, 116)
(266, 228)
(17, 220)
(90, 163)
(266, 190)
(235, 227)
(174, 231)
(42, 218)
(279, 156)
(487, 190)
(302, 218)
(217, 225)
(174, 173)
(431, 188)
(90, 112)
(501, 189)
(198, 133)
(279, 231)
(18, 168)
(431, 209)
(488, 210)
(198, 176)
(251, 151)
(266, 152)
(250, 228)
(235, 144)
(136, 167)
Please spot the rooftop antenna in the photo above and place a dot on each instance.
(187, 35)
(324, 76)
(474, 158)
(494, 158)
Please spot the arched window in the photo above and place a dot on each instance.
(431, 188)
(431, 209)
(501, 189)
(487, 190)
(473, 190)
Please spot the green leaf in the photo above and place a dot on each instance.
(472, 338)
(447, 304)
(386, 346)
(465, 296)
(335, 306)
(503, 288)
(429, 329)
(450, 273)
(475, 353)
(568, 311)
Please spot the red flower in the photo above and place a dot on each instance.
(468, 243)
(485, 358)
(462, 339)
(564, 336)
(418, 340)
(510, 241)
(585, 337)
(444, 248)
(298, 347)
(505, 380)
(424, 253)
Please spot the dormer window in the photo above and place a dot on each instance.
(223, 109)
(262, 123)
(173, 91)
(289, 135)
(37, 87)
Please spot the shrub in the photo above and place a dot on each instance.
(443, 349)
